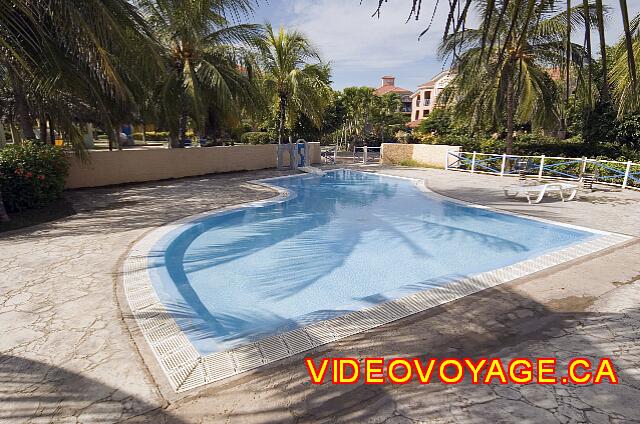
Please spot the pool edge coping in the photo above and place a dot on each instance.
(185, 369)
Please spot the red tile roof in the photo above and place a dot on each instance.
(390, 89)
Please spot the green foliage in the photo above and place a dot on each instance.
(439, 121)
(414, 164)
(31, 174)
(628, 130)
(294, 79)
(152, 135)
(256, 138)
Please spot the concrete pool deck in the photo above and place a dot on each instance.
(68, 355)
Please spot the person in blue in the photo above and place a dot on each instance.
(127, 130)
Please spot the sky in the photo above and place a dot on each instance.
(362, 48)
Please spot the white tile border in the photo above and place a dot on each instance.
(186, 369)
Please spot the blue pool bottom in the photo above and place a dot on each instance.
(343, 242)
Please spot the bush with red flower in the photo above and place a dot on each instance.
(31, 174)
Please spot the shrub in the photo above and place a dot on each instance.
(152, 135)
(31, 174)
(255, 138)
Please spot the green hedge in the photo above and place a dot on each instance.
(255, 138)
(535, 144)
(152, 135)
(31, 175)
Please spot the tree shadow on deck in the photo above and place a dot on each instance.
(497, 322)
(32, 391)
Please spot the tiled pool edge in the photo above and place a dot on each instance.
(186, 369)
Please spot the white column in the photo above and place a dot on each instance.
(541, 167)
(626, 175)
(584, 165)
(473, 162)
(364, 160)
(504, 164)
(88, 136)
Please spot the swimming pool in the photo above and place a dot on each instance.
(338, 254)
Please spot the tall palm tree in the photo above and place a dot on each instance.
(600, 19)
(84, 54)
(507, 79)
(206, 57)
(293, 77)
(622, 74)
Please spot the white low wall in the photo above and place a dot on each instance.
(433, 155)
(127, 166)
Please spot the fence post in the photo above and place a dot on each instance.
(504, 164)
(584, 165)
(364, 156)
(626, 175)
(473, 162)
(446, 160)
(541, 167)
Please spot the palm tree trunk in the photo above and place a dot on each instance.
(629, 43)
(604, 90)
(567, 72)
(182, 129)
(43, 128)
(282, 115)
(52, 132)
(4, 217)
(3, 137)
(510, 117)
(587, 26)
(22, 110)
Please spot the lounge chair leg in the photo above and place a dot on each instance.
(540, 196)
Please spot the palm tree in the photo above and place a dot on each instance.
(600, 19)
(69, 57)
(360, 102)
(293, 77)
(206, 60)
(506, 79)
(622, 73)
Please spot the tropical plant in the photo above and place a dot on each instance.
(294, 78)
(507, 79)
(359, 103)
(74, 60)
(208, 62)
(623, 74)
(31, 175)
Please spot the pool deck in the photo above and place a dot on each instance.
(68, 354)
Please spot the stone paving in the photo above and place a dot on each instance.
(67, 354)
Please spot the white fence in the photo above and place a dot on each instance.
(366, 154)
(620, 174)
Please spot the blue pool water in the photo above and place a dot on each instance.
(342, 242)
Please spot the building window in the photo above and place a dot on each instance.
(417, 115)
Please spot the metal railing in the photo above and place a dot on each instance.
(610, 172)
(366, 154)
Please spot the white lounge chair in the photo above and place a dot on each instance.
(534, 194)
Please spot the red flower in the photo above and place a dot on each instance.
(18, 171)
(28, 174)
(41, 177)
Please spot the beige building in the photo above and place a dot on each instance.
(423, 101)
(389, 86)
